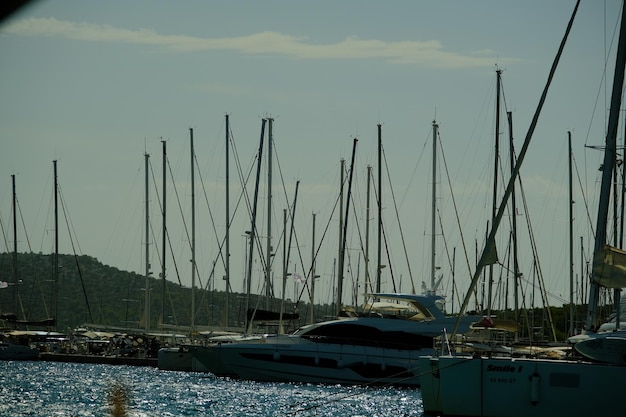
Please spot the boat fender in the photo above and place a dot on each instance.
(383, 366)
(534, 388)
(276, 356)
(317, 360)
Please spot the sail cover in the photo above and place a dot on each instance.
(609, 267)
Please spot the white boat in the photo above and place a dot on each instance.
(378, 348)
(483, 386)
(510, 387)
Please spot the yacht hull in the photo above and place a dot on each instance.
(314, 362)
(510, 387)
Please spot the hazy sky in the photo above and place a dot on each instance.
(95, 85)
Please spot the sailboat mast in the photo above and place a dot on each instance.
(312, 303)
(147, 237)
(608, 166)
(252, 231)
(268, 255)
(433, 267)
(15, 270)
(571, 239)
(368, 284)
(380, 209)
(227, 266)
(287, 252)
(164, 233)
(193, 236)
(56, 245)
(345, 230)
(495, 178)
(516, 274)
(340, 260)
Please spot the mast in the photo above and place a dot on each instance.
(147, 237)
(193, 237)
(56, 245)
(516, 273)
(608, 166)
(312, 303)
(340, 256)
(281, 329)
(252, 232)
(495, 178)
(368, 284)
(433, 267)
(227, 266)
(16, 290)
(268, 255)
(287, 252)
(571, 239)
(345, 231)
(380, 209)
(164, 233)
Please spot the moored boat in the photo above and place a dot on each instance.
(380, 347)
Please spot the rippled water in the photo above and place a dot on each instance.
(60, 389)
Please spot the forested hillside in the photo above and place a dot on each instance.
(91, 292)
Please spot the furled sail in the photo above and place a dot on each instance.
(609, 267)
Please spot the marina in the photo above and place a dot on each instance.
(203, 218)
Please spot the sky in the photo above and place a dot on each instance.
(97, 85)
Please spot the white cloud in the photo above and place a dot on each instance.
(430, 54)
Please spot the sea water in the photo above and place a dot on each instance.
(84, 390)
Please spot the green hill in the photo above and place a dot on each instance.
(91, 292)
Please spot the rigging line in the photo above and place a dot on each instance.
(180, 208)
(385, 240)
(290, 211)
(445, 245)
(552, 294)
(244, 180)
(414, 173)
(206, 199)
(456, 211)
(587, 210)
(167, 232)
(496, 298)
(603, 78)
(389, 263)
(357, 225)
(19, 206)
(243, 195)
(68, 223)
(319, 247)
(156, 189)
(4, 234)
(395, 206)
(535, 252)
(220, 254)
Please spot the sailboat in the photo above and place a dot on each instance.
(481, 386)
(12, 346)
